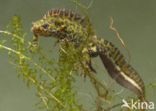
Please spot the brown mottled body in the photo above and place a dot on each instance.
(63, 13)
(119, 69)
(65, 24)
(62, 24)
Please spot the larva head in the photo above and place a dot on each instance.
(59, 23)
(48, 27)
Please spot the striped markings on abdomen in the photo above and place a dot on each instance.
(123, 70)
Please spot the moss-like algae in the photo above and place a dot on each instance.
(53, 80)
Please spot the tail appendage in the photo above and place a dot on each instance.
(119, 69)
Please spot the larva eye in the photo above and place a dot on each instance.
(45, 26)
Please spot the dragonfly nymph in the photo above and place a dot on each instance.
(64, 24)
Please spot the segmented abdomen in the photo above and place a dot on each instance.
(119, 69)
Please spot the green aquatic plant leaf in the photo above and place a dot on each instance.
(53, 79)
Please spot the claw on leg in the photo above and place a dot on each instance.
(91, 67)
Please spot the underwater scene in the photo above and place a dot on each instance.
(77, 55)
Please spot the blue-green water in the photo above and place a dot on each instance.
(135, 21)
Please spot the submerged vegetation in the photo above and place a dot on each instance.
(53, 77)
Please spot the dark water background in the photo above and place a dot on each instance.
(135, 20)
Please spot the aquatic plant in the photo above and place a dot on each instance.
(53, 77)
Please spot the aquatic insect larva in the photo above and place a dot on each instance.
(64, 24)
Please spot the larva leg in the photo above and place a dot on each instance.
(89, 63)
(35, 41)
(92, 52)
